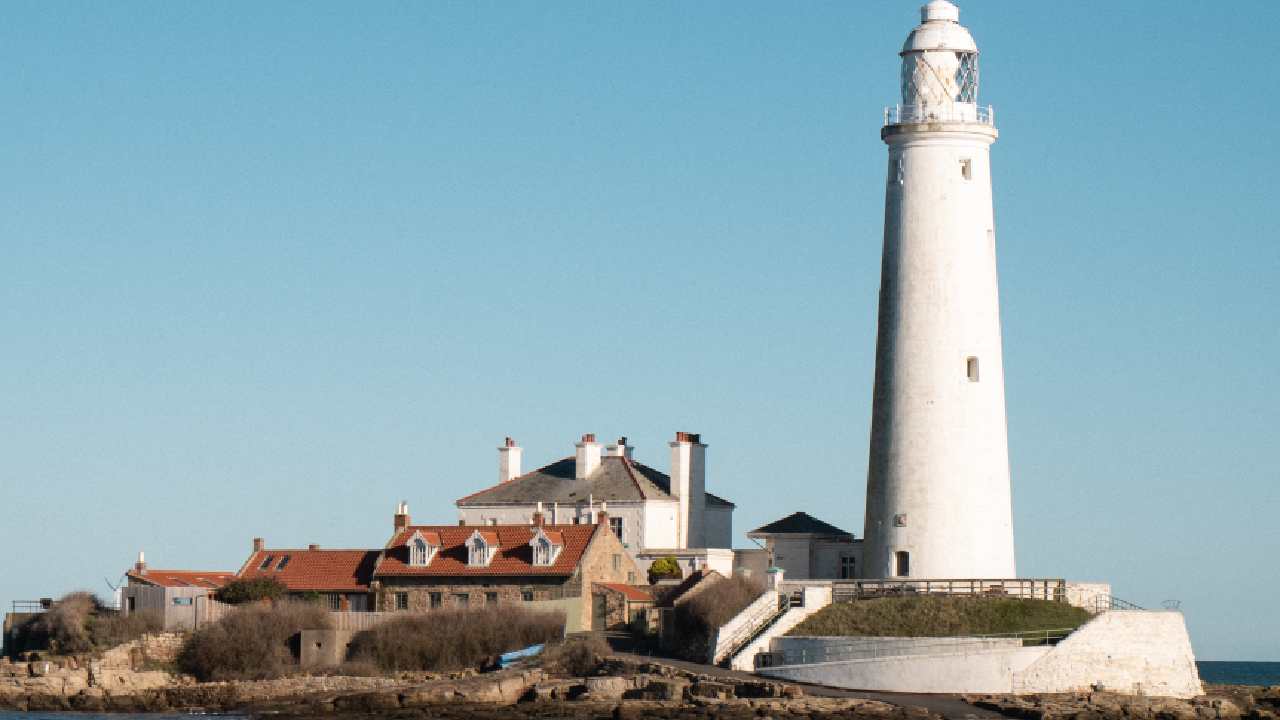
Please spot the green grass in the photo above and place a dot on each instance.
(939, 616)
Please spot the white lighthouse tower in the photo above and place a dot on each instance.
(938, 496)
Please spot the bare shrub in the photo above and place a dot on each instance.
(64, 628)
(454, 639)
(252, 643)
(109, 629)
(698, 619)
(577, 656)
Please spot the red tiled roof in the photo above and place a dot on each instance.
(630, 592)
(211, 579)
(319, 570)
(512, 557)
(489, 537)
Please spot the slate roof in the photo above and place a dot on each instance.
(616, 479)
(314, 570)
(211, 579)
(798, 523)
(513, 557)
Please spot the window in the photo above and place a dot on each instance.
(402, 601)
(437, 600)
(966, 168)
(418, 553)
(617, 563)
(283, 561)
(902, 560)
(971, 368)
(542, 552)
(615, 524)
(334, 601)
(461, 600)
(477, 556)
(526, 595)
(631, 578)
(847, 569)
(266, 563)
(491, 598)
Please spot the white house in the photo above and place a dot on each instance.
(807, 548)
(651, 512)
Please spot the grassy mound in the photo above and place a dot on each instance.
(940, 616)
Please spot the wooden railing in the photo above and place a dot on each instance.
(1054, 589)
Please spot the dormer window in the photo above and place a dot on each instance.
(546, 547)
(480, 548)
(283, 561)
(267, 562)
(422, 549)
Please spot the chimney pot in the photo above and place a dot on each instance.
(589, 437)
(259, 544)
(313, 546)
(509, 442)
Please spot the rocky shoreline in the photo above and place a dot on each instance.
(133, 678)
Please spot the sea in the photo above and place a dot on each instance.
(1230, 672)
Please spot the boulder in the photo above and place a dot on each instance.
(711, 690)
(607, 688)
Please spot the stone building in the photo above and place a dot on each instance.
(338, 579)
(651, 512)
(425, 568)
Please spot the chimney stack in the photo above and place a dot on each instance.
(539, 519)
(509, 455)
(620, 448)
(259, 544)
(313, 546)
(401, 519)
(140, 567)
(688, 485)
(588, 456)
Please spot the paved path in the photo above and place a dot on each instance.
(950, 706)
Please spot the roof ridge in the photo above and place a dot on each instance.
(631, 472)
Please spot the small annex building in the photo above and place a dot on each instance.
(651, 512)
(537, 565)
(173, 594)
(339, 579)
(806, 548)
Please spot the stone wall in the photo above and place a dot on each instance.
(124, 668)
(1137, 652)
(508, 590)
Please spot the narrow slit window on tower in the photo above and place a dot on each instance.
(971, 368)
(902, 563)
(966, 168)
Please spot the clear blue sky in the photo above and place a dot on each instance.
(267, 270)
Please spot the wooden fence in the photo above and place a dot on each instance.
(209, 610)
(1054, 589)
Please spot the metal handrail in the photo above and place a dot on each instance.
(870, 648)
(762, 617)
(30, 606)
(955, 112)
(1103, 603)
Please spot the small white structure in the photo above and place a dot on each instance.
(810, 549)
(938, 496)
(653, 513)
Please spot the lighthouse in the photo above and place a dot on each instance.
(938, 488)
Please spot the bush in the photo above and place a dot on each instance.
(109, 629)
(252, 643)
(454, 639)
(664, 568)
(578, 656)
(64, 628)
(697, 620)
(239, 592)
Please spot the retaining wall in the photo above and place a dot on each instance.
(1138, 652)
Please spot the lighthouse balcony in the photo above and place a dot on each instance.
(956, 112)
